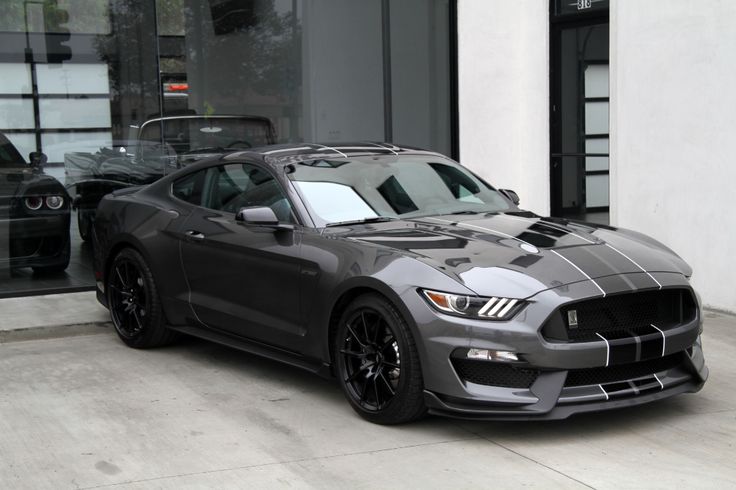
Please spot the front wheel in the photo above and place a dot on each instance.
(134, 303)
(377, 362)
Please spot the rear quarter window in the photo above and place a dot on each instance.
(189, 188)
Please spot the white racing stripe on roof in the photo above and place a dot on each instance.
(580, 271)
(383, 146)
(636, 264)
(287, 149)
(335, 150)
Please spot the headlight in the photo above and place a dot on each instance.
(474, 306)
(54, 202)
(33, 203)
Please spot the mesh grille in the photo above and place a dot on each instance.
(494, 374)
(622, 313)
(622, 372)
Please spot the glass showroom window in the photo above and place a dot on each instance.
(112, 93)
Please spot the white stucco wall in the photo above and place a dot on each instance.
(673, 146)
(503, 53)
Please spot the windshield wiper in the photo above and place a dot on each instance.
(375, 219)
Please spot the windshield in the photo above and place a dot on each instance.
(406, 186)
(9, 156)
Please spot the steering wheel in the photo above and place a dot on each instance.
(240, 144)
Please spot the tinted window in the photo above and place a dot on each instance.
(235, 186)
(189, 188)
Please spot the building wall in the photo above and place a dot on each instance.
(673, 115)
(503, 63)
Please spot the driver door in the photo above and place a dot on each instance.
(244, 279)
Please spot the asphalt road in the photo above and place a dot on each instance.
(87, 412)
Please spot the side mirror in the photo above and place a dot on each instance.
(257, 215)
(510, 195)
(37, 159)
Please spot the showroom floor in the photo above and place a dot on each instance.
(79, 276)
(87, 412)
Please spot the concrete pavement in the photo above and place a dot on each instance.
(87, 412)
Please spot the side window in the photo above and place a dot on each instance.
(239, 185)
(189, 188)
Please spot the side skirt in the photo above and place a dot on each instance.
(259, 349)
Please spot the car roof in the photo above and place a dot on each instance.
(281, 155)
(278, 156)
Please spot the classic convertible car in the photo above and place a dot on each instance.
(414, 282)
(34, 214)
(147, 156)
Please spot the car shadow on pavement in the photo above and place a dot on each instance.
(248, 367)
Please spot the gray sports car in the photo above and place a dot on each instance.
(399, 272)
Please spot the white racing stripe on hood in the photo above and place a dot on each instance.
(635, 263)
(579, 270)
(549, 225)
(476, 227)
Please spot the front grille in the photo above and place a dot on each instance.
(494, 374)
(622, 372)
(621, 314)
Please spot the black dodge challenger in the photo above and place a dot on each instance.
(416, 284)
(34, 214)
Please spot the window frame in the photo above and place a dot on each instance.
(298, 220)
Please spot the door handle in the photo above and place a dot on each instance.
(193, 234)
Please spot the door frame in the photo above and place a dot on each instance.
(558, 23)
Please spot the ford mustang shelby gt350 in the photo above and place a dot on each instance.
(416, 284)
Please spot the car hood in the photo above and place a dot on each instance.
(519, 254)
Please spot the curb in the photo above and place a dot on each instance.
(53, 332)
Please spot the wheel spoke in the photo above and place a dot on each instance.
(391, 365)
(375, 392)
(355, 336)
(378, 329)
(120, 276)
(390, 342)
(365, 327)
(351, 353)
(388, 385)
(357, 373)
(364, 392)
(137, 319)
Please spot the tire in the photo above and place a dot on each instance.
(64, 257)
(134, 303)
(377, 363)
(84, 224)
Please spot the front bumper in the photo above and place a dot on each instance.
(34, 241)
(571, 377)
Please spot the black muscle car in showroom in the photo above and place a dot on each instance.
(159, 146)
(34, 214)
(416, 284)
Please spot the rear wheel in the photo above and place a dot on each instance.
(377, 362)
(134, 302)
(84, 223)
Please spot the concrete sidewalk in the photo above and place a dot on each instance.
(54, 315)
(88, 412)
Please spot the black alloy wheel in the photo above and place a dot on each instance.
(377, 363)
(134, 303)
